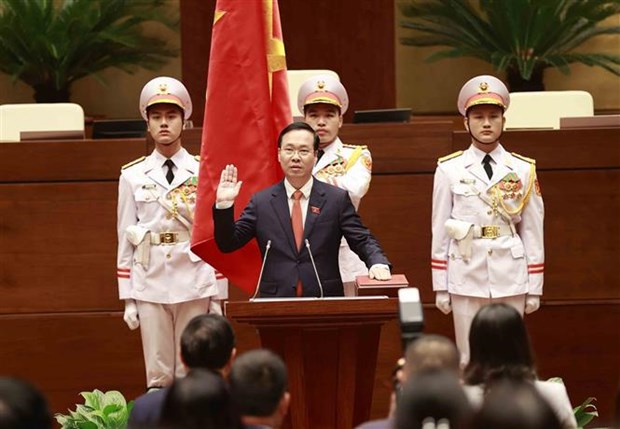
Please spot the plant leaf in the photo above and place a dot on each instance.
(523, 35)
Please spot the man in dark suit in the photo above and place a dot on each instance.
(207, 342)
(258, 386)
(300, 218)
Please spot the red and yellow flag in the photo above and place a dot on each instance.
(246, 107)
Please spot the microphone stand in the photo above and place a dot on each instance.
(262, 267)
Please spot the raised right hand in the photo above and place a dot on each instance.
(228, 188)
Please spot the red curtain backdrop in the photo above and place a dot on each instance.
(246, 107)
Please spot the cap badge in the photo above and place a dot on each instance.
(483, 86)
(320, 85)
(163, 88)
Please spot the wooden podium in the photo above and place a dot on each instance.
(330, 348)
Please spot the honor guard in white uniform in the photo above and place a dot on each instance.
(487, 217)
(163, 283)
(324, 100)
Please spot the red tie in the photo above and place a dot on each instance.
(298, 228)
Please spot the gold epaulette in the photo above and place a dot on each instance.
(197, 157)
(134, 162)
(354, 146)
(524, 158)
(448, 157)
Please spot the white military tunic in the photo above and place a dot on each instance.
(511, 264)
(170, 284)
(174, 274)
(348, 167)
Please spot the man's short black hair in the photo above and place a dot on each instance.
(258, 381)
(207, 342)
(299, 126)
(22, 406)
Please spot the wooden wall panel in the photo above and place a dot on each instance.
(582, 233)
(58, 247)
(402, 224)
(65, 354)
(43, 161)
(560, 149)
(318, 34)
(60, 320)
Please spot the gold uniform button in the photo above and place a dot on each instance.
(490, 251)
(168, 256)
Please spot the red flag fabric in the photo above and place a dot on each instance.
(246, 107)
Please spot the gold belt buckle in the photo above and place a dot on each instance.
(490, 231)
(167, 237)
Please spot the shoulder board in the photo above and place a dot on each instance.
(354, 146)
(448, 157)
(524, 158)
(134, 162)
(197, 157)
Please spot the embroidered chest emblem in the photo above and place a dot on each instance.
(510, 187)
(185, 193)
(336, 167)
(189, 186)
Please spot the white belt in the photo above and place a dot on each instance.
(491, 231)
(169, 237)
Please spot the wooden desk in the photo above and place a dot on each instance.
(61, 322)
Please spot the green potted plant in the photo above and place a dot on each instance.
(100, 410)
(49, 44)
(585, 412)
(519, 37)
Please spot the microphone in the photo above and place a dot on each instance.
(262, 267)
(316, 273)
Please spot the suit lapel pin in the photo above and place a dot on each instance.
(315, 210)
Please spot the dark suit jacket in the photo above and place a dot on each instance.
(147, 409)
(330, 216)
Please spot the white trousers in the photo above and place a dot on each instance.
(464, 308)
(161, 326)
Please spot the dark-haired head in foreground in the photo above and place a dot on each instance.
(499, 346)
(22, 406)
(513, 404)
(259, 382)
(208, 342)
(199, 400)
(434, 395)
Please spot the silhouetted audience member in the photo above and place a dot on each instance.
(207, 342)
(200, 400)
(433, 398)
(513, 404)
(429, 352)
(22, 406)
(259, 385)
(500, 349)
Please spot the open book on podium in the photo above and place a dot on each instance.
(330, 346)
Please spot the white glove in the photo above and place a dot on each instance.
(215, 306)
(379, 272)
(442, 302)
(131, 314)
(532, 303)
